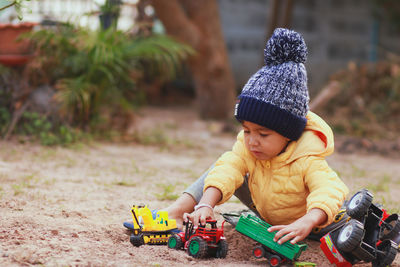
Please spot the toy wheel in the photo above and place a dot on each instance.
(259, 252)
(197, 247)
(137, 240)
(222, 249)
(175, 241)
(350, 236)
(387, 251)
(359, 204)
(391, 228)
(275, 261)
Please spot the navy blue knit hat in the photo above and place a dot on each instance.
(276, 96)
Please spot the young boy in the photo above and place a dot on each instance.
(280, 154)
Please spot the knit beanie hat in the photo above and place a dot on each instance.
(276, 96)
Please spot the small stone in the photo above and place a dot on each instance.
(54, 232)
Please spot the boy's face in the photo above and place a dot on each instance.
(262, 142)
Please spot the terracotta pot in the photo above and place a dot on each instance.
(13, 52)
(8, 38)
(14, 60)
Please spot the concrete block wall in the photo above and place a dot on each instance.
(244, 24)
(336, 32)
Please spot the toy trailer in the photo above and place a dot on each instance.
(256, 229)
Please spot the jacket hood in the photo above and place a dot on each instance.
(316, 140)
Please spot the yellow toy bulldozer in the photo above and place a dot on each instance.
(149, 230)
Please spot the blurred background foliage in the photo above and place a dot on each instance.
(368, 103)
(84, 82)
(387, 10)
(96, 71)
(95, 79)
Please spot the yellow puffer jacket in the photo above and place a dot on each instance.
(285, 188)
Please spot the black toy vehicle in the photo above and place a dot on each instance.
(370, 235)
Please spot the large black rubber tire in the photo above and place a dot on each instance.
(137, 240)
(391, 228)
(358, 205)
(222, 249)
(175, 241)
(197, 247)
(389, 249)
(350, 236)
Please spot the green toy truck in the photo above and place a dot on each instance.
(255, 228)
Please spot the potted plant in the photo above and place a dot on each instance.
(96, 73)
(13, 51)
(109, 13)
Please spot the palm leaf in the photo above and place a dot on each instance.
(94, 69)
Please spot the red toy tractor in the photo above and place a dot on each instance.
(206, 240)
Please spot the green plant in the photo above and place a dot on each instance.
(109, 14)
(41, 128)
(18, 189)
(6, 80)
(111, 6)
(17, 4)
(368, 104)
(156, 136)
(97, 72)
(26, 182)
(167, 193)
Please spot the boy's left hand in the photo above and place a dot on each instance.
(295, 231)
(299, 229)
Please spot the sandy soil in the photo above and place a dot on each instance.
(65, 206)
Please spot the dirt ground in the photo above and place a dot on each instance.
(65, 206)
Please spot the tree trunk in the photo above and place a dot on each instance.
(279, 19)
(197, 23)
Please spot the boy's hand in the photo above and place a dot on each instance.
(199, 215)
(299, 229)
(204, 210)
(296, 231)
